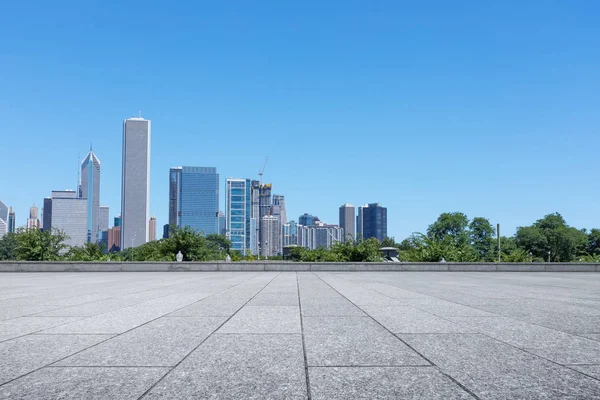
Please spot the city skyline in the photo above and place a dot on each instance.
(423, 109)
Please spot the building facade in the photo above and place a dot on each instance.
(194, 198)
(237, 213)
(33, 221)
(347, 221)
(290, 233)
(271, 231)
(3, 219)
(90, 190)
(152, 229)
(12, 221)
(47, 217)
(135, 182)
(114, 239)
(69, 215)
(316, 236)
(372, 221)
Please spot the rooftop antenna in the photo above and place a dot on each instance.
(260, 173)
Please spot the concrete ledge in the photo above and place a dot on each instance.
(65, 266)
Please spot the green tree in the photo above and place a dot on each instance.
(593, 245)
(87, 252)
(8, 247)
(36, 245)
(481, 236)
(450, 226)
(552, 235)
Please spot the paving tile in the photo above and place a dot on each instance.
(163, 342)
(382, 349)
(594, 336)
(211, 307)
(239, 367)
(591, 370)
(331, 307)
(406, 319)
(342, 326)
(267, 319)
(275, 299)
(492, 369)
(383, 383)
(25, 325)
(82, 383)
(25, 354)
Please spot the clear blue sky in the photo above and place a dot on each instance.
(491, 108)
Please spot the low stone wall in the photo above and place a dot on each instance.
(59, 266)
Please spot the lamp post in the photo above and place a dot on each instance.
(267, 249)
(531, 256)
(548, 255)
(258, 244)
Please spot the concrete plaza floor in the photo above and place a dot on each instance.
(271, 335)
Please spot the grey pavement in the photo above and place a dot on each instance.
(300, 335)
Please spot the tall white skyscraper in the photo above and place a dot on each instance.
(90, 190)
(348, 221)
(135, 182)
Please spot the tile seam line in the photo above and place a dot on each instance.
(308, 392)
(463, 387)
(453, 302)
(206, 338)
(103, 341)
(506, 343)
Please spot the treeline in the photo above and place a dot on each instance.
(453, 237)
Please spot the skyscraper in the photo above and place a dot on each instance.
(307, 219)
(12, 220)
(278, 210)
(194, 198)
(103, 217)
(222, 223)
(320, 235)
(152, 229)
(47, 218)
(33, 222)
(372, 221)
(3, 219)
(238, 209)
(90, 190)
(271, 231)
(135, 182)
(69, 215)
(347, 221)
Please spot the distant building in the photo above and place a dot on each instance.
(152, 229)
(308, 219)
(278, 210)
(372, 221)
(165, 231)
(3, 219)
(12, 221)
(33, 222)
(290, 233)
(264, 207)
(237, 212)
(316, 236)
(347, 221)
(271, 231)
(114, 239)
(103, 218)
(47, 218)
(117, 221)
(135, 182)
(90, 190)
(69, 215)
(222, 223)
(194, 198)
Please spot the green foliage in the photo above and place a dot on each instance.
(8, 247)
(551, 234)
(36, 245)
(593, 245)
(351, 250)
(481, 236)
(87, 252)
(450, 226)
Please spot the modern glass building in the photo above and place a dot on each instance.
(372, 221)
(194, 198)
(135, 182)
(12, 221)
(90, 190)
(238, 209)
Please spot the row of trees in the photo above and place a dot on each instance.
(452, 237)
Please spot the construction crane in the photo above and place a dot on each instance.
(260, 173)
